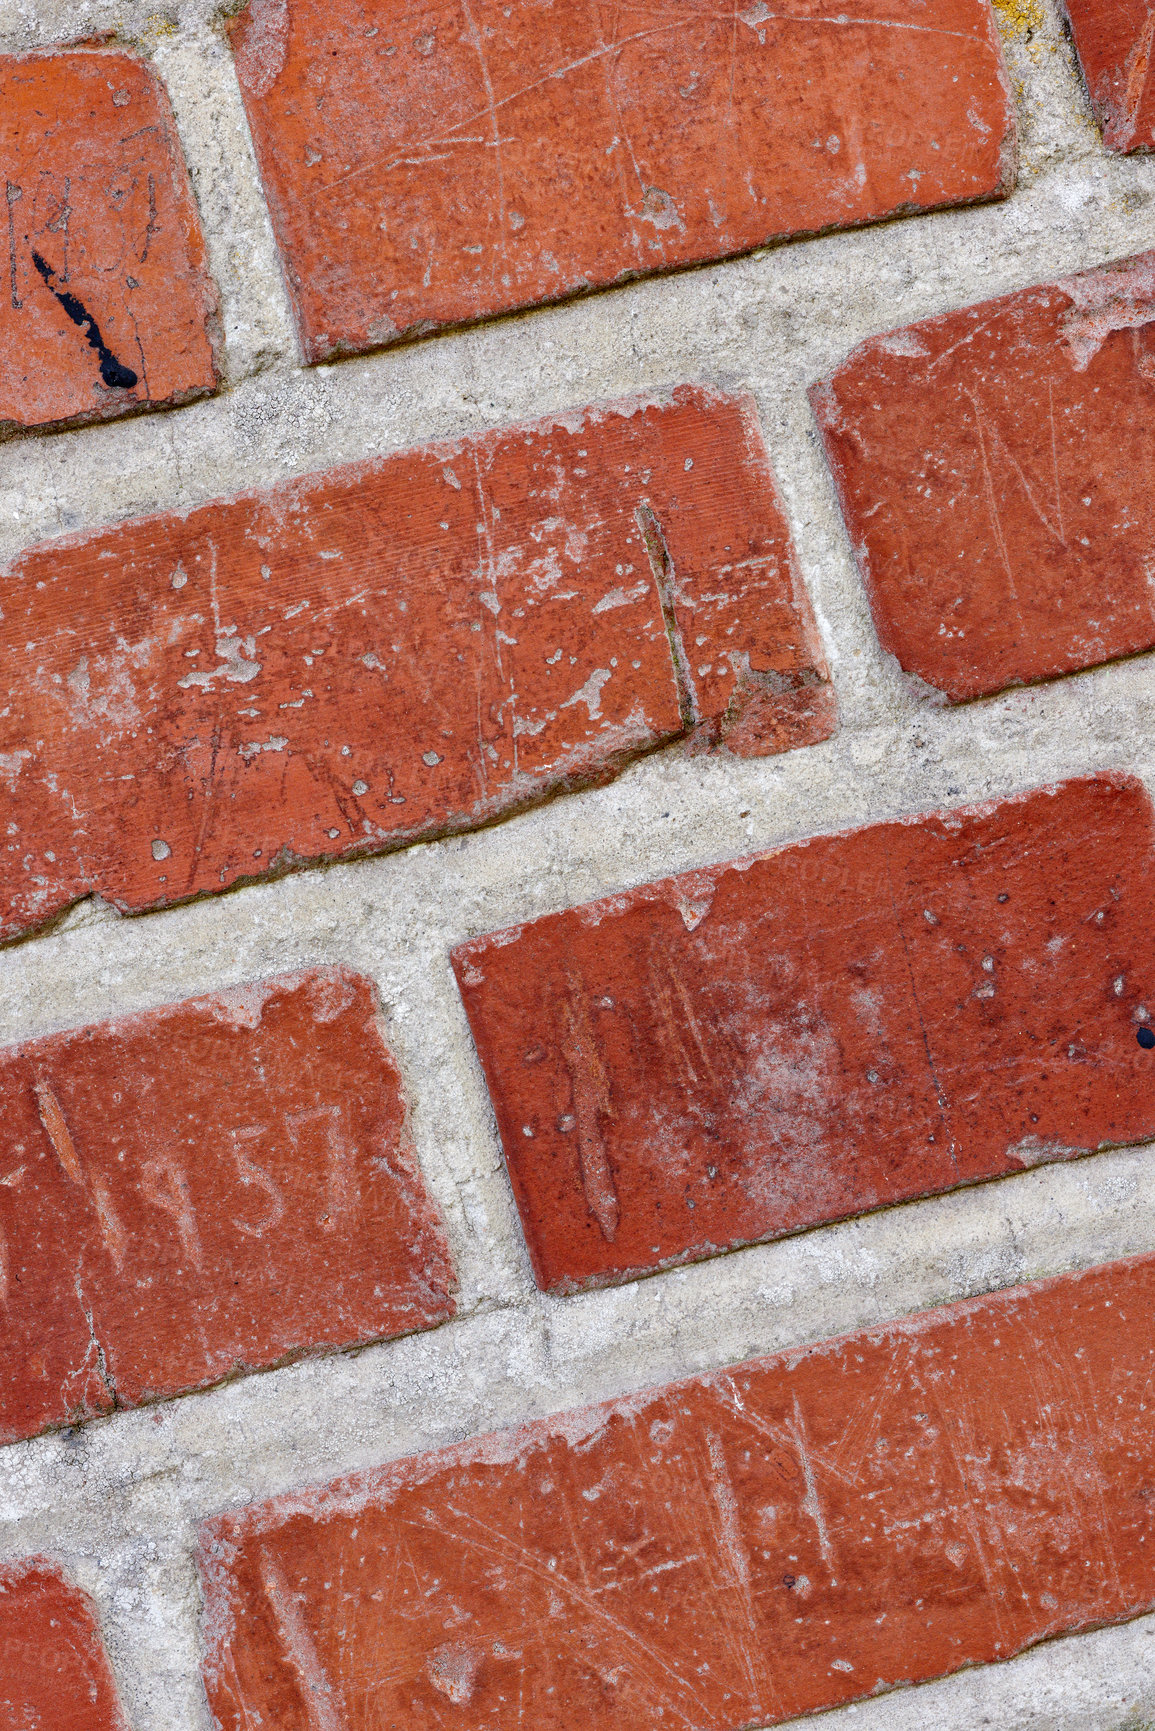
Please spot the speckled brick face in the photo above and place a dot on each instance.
(54, 1674)
(1115, 40)
(203, 1190)
(994, 471)
(377, 655)
(430, 164)
(854, 1021)
(105, 300)
(785, 1536)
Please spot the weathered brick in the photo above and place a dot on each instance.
(785, 1536)
(202, 1190)
(361, 659)
(429, 165)
(106, 303)
(54, 1674)
(993, 467)
(1114, 39)
(845, 1023)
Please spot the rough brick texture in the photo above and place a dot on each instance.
(788, 1535)
(994, 469)
(852, 1021)
(202, 1190)
(432, 165)
(1114, 39)
(54, 1675)
(106, 304)
(360, 659)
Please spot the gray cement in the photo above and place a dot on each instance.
(117, 1502)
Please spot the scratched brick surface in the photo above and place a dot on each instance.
(993, 467)
(425, 166)
(54, 1674)
(1114, 40)
(201, 1190)
(357, 660)
(106, 304)
(788, 1535)
(848, 1022)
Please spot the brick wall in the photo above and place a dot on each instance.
(576, 980)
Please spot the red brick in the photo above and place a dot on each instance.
(1114, 39)
(54, 1675)
(791, 1534)
(106, 304)
(993, 467)
(842, 1024)
(432, 164)
(366, 658)
(207, 1189)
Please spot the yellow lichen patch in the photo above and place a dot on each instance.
(1020, 17)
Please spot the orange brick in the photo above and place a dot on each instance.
(106, 304)
(784, 1536)
(377, 655)
(1114, 39)
(202, 1190)
(994, 466)
(54, 1674)
(436, 163)
(849, 1022)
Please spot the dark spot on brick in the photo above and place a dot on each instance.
(114, 373)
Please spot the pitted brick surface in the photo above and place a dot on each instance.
(994, 467)
(787, 1535)
(432, 165)
(105, 300)
(366, 658)
(203, 1190)
(853, 1021)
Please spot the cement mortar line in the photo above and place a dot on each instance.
(242, 429)
(569, 849)
(118, 966)
(528, 1361)
(154, 1634)
(508, 1362)
(31, 476)
(201, 73)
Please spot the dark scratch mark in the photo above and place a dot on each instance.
(13, 193)
(151, 228)
(591, 1102)
(114, 373)
(662, 566)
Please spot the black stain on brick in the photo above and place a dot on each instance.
(114, 373)
(1146, 1038)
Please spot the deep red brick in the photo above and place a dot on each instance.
(432, 164)
(365, 658)
(845, 1023)
(54, 1674)
(994, 471)
(105, 303)
(203, 1190)
(791, 1534)
(1114, 39)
